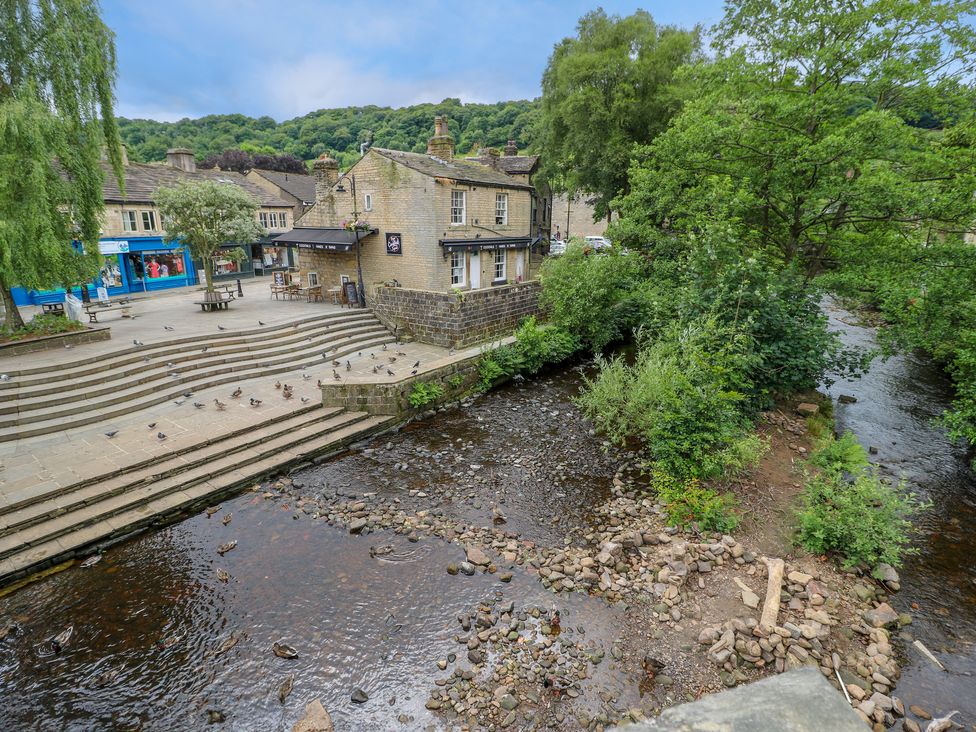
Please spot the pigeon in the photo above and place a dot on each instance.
(236, 393)
(376, 369)
(305, 400)
(319, 383)
(170, 365)
(255, 402)
(168, 327)
(204, 349)
(175, 375)
(941, 724)
(452, 352)
(198, 405)
(336, 363)
(260, 322)
(111, 434)
(277, 385)
(335, 375)
(137, 343)
(390, 372)
(392, 359)
(287, 394)
(417, 365)
(372, 356)
(348, 366)
(400, 353)
(359, 355)
(4, 377)
(178, 402)
(67, 346)
(220, 327)
(306, 377)
(152, 425)
(384, 346)
(220, 405)
(187, 394)
(160, 435)
(414, 372)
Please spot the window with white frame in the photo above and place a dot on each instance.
(263, 219)
(129, 221)
(457, 207)
(368, 202)
(457, 269)
(500, 256)
(283, 220)
(149, 220)
(501, 209)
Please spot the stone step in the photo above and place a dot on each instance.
(69, 498)
(137, 353)
(136, 358)
(116, 384)
(159, 510)
(55, 420)
(104, 507)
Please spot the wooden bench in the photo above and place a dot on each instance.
(52, 308)
(222, 301)
(94, 310)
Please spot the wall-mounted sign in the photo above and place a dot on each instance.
(113, 247)
(394, 244)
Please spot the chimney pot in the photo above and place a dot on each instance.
(491, 155)
(511, 149)
(181, 158)
(441, 145)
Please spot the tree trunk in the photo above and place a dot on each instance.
(208, 274)
(12, 319)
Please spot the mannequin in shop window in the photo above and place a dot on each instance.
(153, 268)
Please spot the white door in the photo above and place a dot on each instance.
(475, 271)
(520, 265)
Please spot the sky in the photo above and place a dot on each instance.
(285, 58)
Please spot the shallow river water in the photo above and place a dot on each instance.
(898, 403)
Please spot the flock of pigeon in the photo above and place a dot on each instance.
(286, 390)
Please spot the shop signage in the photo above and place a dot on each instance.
(394, 244)
(113, 247)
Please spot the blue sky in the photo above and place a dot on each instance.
(283, 58)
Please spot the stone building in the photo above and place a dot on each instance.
(435, 222)
(138, 259)
(299, 190)
(574, 217)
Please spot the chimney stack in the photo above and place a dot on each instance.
(491, 156)
(441, 145)
(511, 149)
(326, 175)
(180, 157)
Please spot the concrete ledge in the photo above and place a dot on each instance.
(796, 701)
(58, 340)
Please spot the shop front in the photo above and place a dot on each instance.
(130, 266)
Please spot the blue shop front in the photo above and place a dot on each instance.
(138, 264)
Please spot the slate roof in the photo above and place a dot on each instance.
(513, 164)
(464, 171)
(143, 180)
(301, 187)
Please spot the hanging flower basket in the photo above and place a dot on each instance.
(357, 225)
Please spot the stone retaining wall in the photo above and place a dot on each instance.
(456, 320)
(59, 340)
(456, 379)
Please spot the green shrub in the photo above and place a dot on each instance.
(42, 325)
(423, 394)
(862, 519)
(687, 502)
(455, 381)
(537, 346)
(489, 371)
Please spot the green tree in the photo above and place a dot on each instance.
(205, 215)
(57, 69)
(801, 132)
(604, 90)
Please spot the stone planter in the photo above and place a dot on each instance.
(59, 340)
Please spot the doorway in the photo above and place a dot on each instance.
(475, 270)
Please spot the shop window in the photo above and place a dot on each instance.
(500, 256)
(111, 275)
(161, 265)
(223, 265)
(148, 220)
(457, 269)
(457, 207)
(129, 221)
(274, 257)
(501, 209)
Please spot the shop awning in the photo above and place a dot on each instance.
(328, 239)
(497, 242)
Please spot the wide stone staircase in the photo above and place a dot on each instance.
(39, 527)
(43, 400)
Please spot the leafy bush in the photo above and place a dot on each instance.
(535, 346)
(687, 502)
(42, 325)
(594, 296)
(862, 519)
(489, 371)
(680, 400)
(423, 394)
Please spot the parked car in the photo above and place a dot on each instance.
(598, 242)
(557, 247)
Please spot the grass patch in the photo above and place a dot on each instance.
(687, 502)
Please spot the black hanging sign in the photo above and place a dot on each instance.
(394, 243)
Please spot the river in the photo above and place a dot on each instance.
(898, 404)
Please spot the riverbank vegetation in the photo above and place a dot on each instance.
(794, 159)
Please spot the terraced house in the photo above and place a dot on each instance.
(137, 259)
(431, 225)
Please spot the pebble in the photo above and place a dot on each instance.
(359, 696)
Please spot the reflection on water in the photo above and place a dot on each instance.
(898, 403)
(150, 618)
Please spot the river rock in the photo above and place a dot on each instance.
(887, 574)
(508, 702)
(359, 696)
(910, 725)
(880, 616)
(805, 409)
(357, 525)
(847, 399)
(466, 568)
(316, 719)
(477, 557)
(919, 712)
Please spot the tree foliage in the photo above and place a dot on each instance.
(57, 70)
(607, 88)
(242, 161)
(204, 215)
(336, 131)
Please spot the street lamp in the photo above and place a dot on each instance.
(360, 290)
